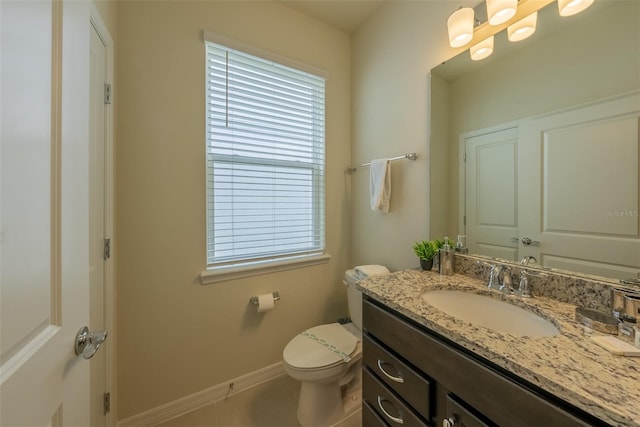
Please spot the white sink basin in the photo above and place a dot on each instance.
(482, 310)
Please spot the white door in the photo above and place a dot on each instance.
(44, 224)
(98, 255)
(491, 203)
(579, 188)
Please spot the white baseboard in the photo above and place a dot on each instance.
(202, 398)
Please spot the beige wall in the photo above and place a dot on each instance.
(108, 10)
(175, 336)
(392, 56)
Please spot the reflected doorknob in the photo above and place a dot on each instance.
(528, 242)
(87, 343)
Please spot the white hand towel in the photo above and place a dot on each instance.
(380, 185)
(364, 271)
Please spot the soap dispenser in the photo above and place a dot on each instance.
(447, 258)
(460, 246)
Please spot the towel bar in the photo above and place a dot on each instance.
(408, 156)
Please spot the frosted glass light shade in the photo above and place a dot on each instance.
(482, 49)
(460, 26)
(523, 28)
(571, 7)
(499, 11)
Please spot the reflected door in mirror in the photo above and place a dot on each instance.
(491, 193)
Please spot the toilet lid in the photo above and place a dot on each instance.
(320, 346)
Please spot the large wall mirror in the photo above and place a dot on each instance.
(549, 127)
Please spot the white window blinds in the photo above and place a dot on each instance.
(265, 159)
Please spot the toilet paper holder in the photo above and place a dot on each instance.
(254, 300)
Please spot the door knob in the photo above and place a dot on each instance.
(87, 343)
(528, 242)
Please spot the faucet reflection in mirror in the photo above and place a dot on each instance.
(519, 18)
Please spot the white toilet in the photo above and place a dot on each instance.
(327, 360)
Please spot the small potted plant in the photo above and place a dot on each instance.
(426, 251)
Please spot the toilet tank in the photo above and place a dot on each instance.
(354, 298)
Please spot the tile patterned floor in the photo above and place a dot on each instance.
(271, 404)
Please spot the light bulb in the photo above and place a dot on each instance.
(523, 28)
(460, 26)
(500, 11)
(571, 7)
(482, 49)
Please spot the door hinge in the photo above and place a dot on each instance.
(464, 157)
(107, 93)
(107, 403)
(107, 249)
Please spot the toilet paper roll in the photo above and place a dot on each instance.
(265, 302)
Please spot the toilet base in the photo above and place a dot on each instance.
(324, 405)
(319, 405)
(352, 402)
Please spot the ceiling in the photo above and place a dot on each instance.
(346, 15)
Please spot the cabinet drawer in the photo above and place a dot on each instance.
(462, 417)
(491, 393)
(370, 417)
(388, 406)
(397, 375)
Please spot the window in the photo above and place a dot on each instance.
(265, 160)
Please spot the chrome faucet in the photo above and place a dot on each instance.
(506, 285)
(500, 277)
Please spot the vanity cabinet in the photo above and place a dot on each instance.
(412, 376)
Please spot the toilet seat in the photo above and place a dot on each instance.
(320, 347)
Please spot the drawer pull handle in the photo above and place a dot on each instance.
(397, 379)
(392, 418)
(449, 422)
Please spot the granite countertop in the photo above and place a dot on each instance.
(569, 365)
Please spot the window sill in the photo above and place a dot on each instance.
(226, 273)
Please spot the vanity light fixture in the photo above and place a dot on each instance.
(460, 26)
(482, 49)
(464, 27)
(500, 11)
(523, 28)
(571, 7)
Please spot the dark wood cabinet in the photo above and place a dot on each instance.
(411, 371)
(370, 418)
(389, 405)
(404, 380)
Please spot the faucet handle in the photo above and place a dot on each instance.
(494, 276)
(524, 290)
(524, 287)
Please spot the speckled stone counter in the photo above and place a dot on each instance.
(569, 365)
